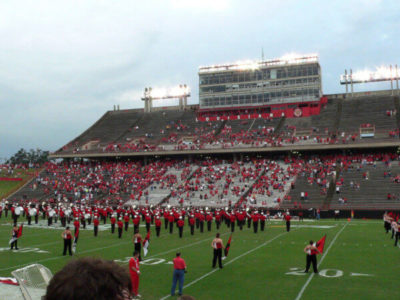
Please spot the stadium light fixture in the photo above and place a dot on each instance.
(178, 91)
(291, 58)
(382, 73)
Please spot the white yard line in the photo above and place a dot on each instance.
(320, 262)
(229, 262)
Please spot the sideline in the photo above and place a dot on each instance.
(320, 262)
(229, 262)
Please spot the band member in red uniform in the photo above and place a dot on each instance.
(232, 219)
(171, 221)
(287, 219)
(67, 236)
(76, 225)
(120, 225)
(209, 219)
(158, 225)
(134, 270)
(180, 224)
(166, 218)
(192, 222)
(136, 222)
(255, 218)
(262, 221)
(137, 241)
(217, 219)
(240, 220)
(217, 245)
(148, 222)
(113, 221)
(126, 221)
(95, 225)
(201, 222)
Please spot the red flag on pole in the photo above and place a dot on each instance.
(320, 244)
(228, 245)
(20, 231)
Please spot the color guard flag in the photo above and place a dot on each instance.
(228, 245)
(146, 243)
(320, 244)
(20, 231)
(75, 240)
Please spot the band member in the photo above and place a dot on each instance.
(126, 221)
(180, 224)
(120, 226)
(217, 219)
(311, 257)
(137, 241)
(158, 225)
(76, 225)
(95, 225)
(136, 222)
(387, 220)
(192, 222)
(232, 219)
(148, 222)
(134, 270)
(171, 220)
(262, 221)
(113, 220)
(240, 220)
(255, 218)
(14, 237)
(209, 219)
(201, 222)
(67, 236)
(217, 245)
(287, 219)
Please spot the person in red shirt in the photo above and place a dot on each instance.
(287, 219)
(120, 225)
(158, 225)
(148, 222)
(217, 245)
(134, 270)
(76, 225)
(95, 225)
(192, 222)
(136, 221)
(209, 219)
(217, 219)
(67, 236)
(201, 222)
(232, 219)
(262, 221)
(180, 224)
(113, 221)
(171, 220)
(179, 273)
(126, 221)
(255, 219)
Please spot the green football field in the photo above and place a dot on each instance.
(359, 260)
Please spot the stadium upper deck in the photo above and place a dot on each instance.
(364, 121)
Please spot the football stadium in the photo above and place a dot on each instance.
(259, 185)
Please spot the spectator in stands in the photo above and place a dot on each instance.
(90, 278)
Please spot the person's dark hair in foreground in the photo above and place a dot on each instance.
(90, 278)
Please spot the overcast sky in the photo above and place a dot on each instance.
(64, 63)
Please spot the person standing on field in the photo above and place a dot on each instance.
(179, 273)
(217, 245)
(311, 257)
(134, 270)
(137, 241)
(67, 236)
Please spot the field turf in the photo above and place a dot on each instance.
(359, 260)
